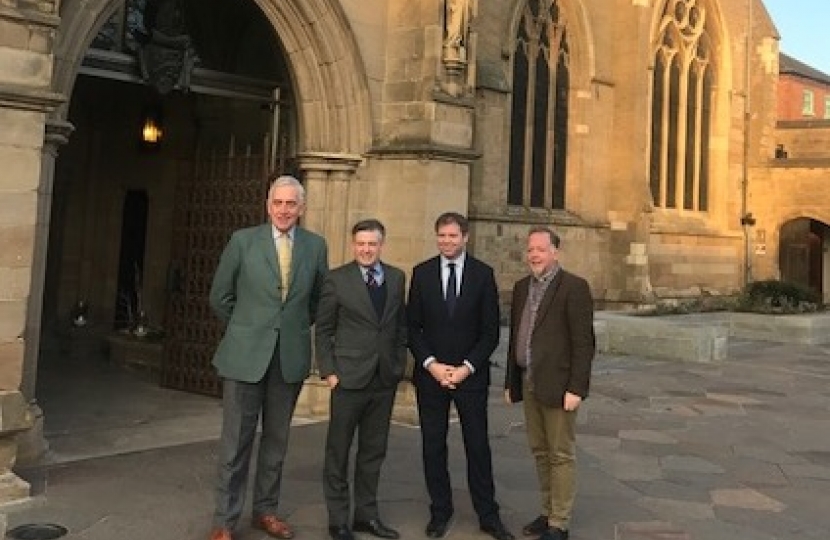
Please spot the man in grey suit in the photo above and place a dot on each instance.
(361, 350)
(266, 288)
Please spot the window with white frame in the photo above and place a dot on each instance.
(827, 107)
(807, 105)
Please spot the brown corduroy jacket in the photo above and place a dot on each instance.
(562, 340)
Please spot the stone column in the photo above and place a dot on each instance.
(32, 443)
(327, 179)
(27, 33)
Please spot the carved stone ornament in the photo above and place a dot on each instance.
(168, 58)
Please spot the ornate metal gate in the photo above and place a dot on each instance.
(215, 196)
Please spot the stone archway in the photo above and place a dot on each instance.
(328, 73)
(332, 108)
(330, 85)
(329, 92)
(802, 254)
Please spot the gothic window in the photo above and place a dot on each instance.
(681, 108)
(539, 127)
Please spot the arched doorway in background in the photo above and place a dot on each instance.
(803, 250)
(126, 285)
(328, 101)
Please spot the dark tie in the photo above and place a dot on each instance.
(376, 293)
(452, 294)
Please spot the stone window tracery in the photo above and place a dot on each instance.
(539, 116)
(682, 94)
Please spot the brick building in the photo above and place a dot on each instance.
(138, 133)
(803, 91)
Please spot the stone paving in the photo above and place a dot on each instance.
(667, 450)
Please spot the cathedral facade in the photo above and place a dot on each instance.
(641, 130)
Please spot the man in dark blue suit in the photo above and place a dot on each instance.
(453, 318)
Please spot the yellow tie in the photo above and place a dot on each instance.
(284, 256)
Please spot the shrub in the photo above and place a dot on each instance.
(775, 296)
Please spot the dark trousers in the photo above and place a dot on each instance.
(367, 412)
(243, 403)
(433, 411)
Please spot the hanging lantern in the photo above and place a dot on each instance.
(151, 132)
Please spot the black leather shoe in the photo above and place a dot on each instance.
(554, 533)
(340, 532)
(497, 530)
(536, 527)
(375, 527)
(437, 528)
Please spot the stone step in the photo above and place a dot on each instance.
(13, 489)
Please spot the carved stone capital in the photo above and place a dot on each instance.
(58, 132)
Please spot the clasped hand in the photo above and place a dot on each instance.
(449, 376)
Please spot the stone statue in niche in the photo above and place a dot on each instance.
(456, 29)
(167, 56)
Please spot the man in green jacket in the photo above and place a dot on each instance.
(266, 289)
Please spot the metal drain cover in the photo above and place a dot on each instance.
(37, 531)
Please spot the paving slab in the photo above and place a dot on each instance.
(666, 450)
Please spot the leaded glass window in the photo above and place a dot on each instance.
(681, 108)
(539, 116)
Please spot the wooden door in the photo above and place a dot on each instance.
(215, 195)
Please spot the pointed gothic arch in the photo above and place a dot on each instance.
(321, 51)
(689, 75)
(551, 61)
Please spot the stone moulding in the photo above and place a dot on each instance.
(30, 15)
(29, 99)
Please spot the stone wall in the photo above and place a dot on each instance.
(786, 190)
(27, 31)
(625, 247)
(689, 265)
(14, 418)
(803, 140)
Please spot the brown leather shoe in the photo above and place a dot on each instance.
(220, 534)
(273, 526)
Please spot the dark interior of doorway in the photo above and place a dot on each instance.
(128, 305)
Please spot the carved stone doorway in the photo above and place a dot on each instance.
(805, 244)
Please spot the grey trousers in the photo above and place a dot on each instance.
(367, 413)
(243, 403)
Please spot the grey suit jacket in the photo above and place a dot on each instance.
(351, 341)
(247, 294)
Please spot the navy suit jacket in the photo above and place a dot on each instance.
(471, 334)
